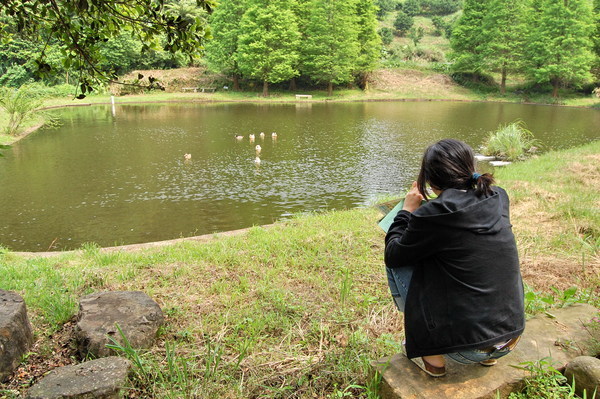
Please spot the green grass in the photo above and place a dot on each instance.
(298, 309)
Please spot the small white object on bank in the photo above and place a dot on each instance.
(484, 157)
(500, 163)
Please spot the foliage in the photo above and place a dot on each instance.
(411, 7)
(440, 7)
(369, 42)
(503, 33)
(222, 49)
(511, 142)
(20, 105)
(545, 381)
(403, 23)
(331, 49)
(416, 34)
(268, 42)
(467, 37)
(384, 7)
(79, 27)
(387, 35)
(439, 24)
(559, 44)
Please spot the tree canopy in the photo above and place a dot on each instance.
(81, 26)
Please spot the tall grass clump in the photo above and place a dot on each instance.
(19, 105)
(511, 142)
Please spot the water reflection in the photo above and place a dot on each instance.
(124, 179)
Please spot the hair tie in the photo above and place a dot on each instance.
(476, 176)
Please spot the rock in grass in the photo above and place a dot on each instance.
(137, 315)
(586, 372)
(101, 378)
(15, 332)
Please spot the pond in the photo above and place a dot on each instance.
(119, 176)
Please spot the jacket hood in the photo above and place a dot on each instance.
(464, 210)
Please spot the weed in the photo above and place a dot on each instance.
(545, 381)
(511, 142)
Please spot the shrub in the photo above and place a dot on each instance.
(20, 105)
(403, 23)
(387, 35)
(411, 7)
(439, 24)
(416, 34)
(511, 142)
(385, 6)
(441, 7)
(433, 55)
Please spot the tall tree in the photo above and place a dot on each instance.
(268, 42)
(369, 41)
(331, 48)
(81, 26)
(596, 40)
(467, 38)
(559, 42)
(503, 37)
(221, 51)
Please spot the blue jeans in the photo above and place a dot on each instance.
(399, 282)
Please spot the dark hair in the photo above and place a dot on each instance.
(450, 163)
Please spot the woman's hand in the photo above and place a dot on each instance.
(413, 199)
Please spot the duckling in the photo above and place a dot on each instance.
(251, 136)
(257, 160)
(258, 149)
(187, 157)
(238, 137)
(262, 135)
(274, 135)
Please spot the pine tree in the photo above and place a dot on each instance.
(331, 48)
(502, 34)
(268, 42)
(369, 41)
(221, 51)
(467, 38)
(559, 42)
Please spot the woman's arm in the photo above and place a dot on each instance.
(408, 241)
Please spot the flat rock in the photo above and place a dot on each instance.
(586, 372)
(101, 378)
(562, 337)
(15, 332)
(138, 316)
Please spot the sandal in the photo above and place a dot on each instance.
(428, 368)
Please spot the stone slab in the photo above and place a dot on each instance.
(100, 379)
(16, 336)
(138, 316)
(561, 337)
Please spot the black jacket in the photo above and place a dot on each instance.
(466, 291)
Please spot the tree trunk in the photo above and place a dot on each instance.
(555, 83)
(265, 88)
(329, 89)
(503, 82)
(365, 81)
(236, 83)
(293, 84)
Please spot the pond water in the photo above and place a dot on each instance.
(121, 178)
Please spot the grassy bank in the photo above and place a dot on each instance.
(299, 309)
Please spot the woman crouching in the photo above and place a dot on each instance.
(452, 264)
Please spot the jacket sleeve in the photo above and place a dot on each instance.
(408, 241)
